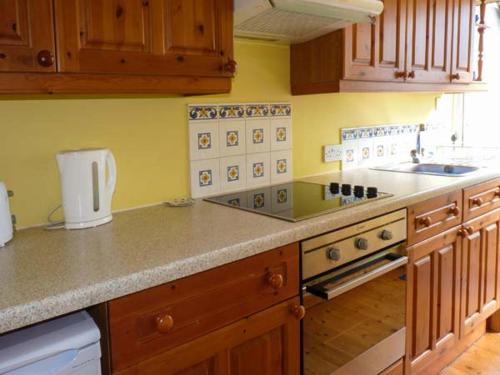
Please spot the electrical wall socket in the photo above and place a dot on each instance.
(332, 153)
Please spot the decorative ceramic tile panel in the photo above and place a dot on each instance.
(377, 145)
(240, 140)
(205, 177)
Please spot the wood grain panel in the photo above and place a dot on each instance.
(481, 199)
(434, 216)
(26, 28)
(433, 303)
(160, 37)
(463, 39)
(199, 304)
(266, 343)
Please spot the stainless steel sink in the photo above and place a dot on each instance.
(432, 169)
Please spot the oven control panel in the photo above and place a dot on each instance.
(323, 253)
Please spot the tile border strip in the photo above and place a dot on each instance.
(207, 112)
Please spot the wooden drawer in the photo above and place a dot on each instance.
(434, 216)
(149, 322)
(480, 199)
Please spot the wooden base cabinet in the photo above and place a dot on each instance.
(480, 270)
(433, 299)
(267, 343)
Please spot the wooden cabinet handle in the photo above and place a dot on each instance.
(497, 193)
(164, 323)
(477, 202)
(400, 74)
(455, 77)
(45, 58)
(298, 311)
(426, 221)
(455, 211)
(411, 75)
(467, 231)
(230, 66)
(276, 281)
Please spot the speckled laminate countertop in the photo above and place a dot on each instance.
(44, 274)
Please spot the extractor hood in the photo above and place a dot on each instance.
(295, 21)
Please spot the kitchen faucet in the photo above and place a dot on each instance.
(418, 150)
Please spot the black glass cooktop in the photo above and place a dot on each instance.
(297, 201)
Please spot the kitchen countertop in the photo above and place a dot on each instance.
(44, 274)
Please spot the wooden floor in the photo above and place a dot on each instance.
(482, 358)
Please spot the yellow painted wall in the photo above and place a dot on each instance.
(149, 135)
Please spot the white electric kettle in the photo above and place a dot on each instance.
(88, 179)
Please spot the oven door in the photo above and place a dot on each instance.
(355, 321)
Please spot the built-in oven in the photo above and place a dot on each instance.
(354, 291)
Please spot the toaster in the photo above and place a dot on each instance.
(6, 228)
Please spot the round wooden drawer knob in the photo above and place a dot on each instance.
(464, 232)
(455, 211)
(276, 281)
(426, 221)
(477, 202)
(298, 311)
(164, 323)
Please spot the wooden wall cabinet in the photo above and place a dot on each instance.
(413, 46)
(179, 46)
(27, 36)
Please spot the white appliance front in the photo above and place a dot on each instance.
(6, 229)
(88, 180)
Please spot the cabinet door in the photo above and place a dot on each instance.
(480, 270)
(26, 36)
(433, 298)
(160, 37)
(267, 343)
(429, 40)
(463, 41)
(375, 52)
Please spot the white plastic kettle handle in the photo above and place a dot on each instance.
(111, 162)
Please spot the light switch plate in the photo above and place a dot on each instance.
(332, 153)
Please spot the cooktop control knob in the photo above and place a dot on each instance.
(334, 188)
(346, 190)
(372, 192)
(386, 235)
(333, 254)
(359, 191)
(361, 243)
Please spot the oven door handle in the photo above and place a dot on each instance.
(363, 279)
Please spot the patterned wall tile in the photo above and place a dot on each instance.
(281, 134)
(350, 159)
(257, 110)
(233, 173)
(232, 137)
(204, 140)
(233, 111)
(258, 135)
(258, 169)
(202, 112)
(205, 177)
(279, 109)
(281, 166)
